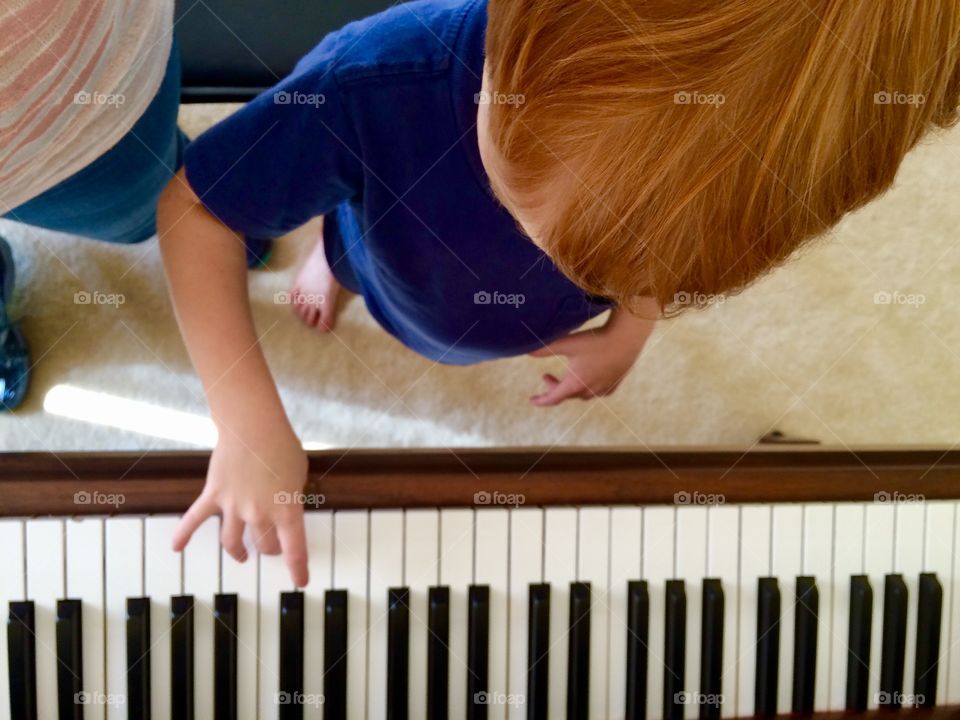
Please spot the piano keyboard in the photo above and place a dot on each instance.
(658, 612)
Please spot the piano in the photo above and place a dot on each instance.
(492, 585)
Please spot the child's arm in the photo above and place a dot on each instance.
(258, 461)
(597, 360)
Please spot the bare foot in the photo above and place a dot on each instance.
(315, 291)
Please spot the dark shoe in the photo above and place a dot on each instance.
(259, 251)
(14, 355)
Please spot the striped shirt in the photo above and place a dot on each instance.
(75, 75)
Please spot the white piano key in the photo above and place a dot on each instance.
(201, 579)
(421, 572)
(45, 585)
(274, 580)
(908, 560)
(386, 571)
(593, 566)
(12, 587)
(786, 565)
(350, 573)
(818, 562)
(952, 668)
(847, 562)
(85, 582)
(691, 567)
(723, 562)
(754, 564)
(162, 579)
(626, 528)
(319, 527)
(526, 567)
(658, 567)
(878, 563)
(124, 579)
(560, 569)
(492, 556)
(938, 558)
(242, 580)
(456, 572)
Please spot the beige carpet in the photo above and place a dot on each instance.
(808, 350)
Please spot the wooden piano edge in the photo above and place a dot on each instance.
(48, 483)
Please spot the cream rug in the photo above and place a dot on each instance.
(809, 350)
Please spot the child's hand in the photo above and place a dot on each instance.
(597, 360)
(253, 486)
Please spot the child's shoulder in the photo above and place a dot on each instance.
(409, 38)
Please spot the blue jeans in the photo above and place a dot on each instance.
(115, 197)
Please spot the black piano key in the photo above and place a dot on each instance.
(578, 656)
(138, 658)
(22, 660)
(69, 659)
(478, 651)
(335, 655)
(894, 642)
(181, 656)
(711, 649)
(398, 653)
(291, 656)
(438, 653)
(225, 657)
(638, 633)
(858, 643)
(805, 645)
(674, 650)
(538, 644)
(768, 647)
(930, 609)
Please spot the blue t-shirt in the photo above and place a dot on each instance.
(376, 130)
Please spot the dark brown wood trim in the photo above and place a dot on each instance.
(48, 484)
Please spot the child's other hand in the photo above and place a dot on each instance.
(597, 360)
(254, 486)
